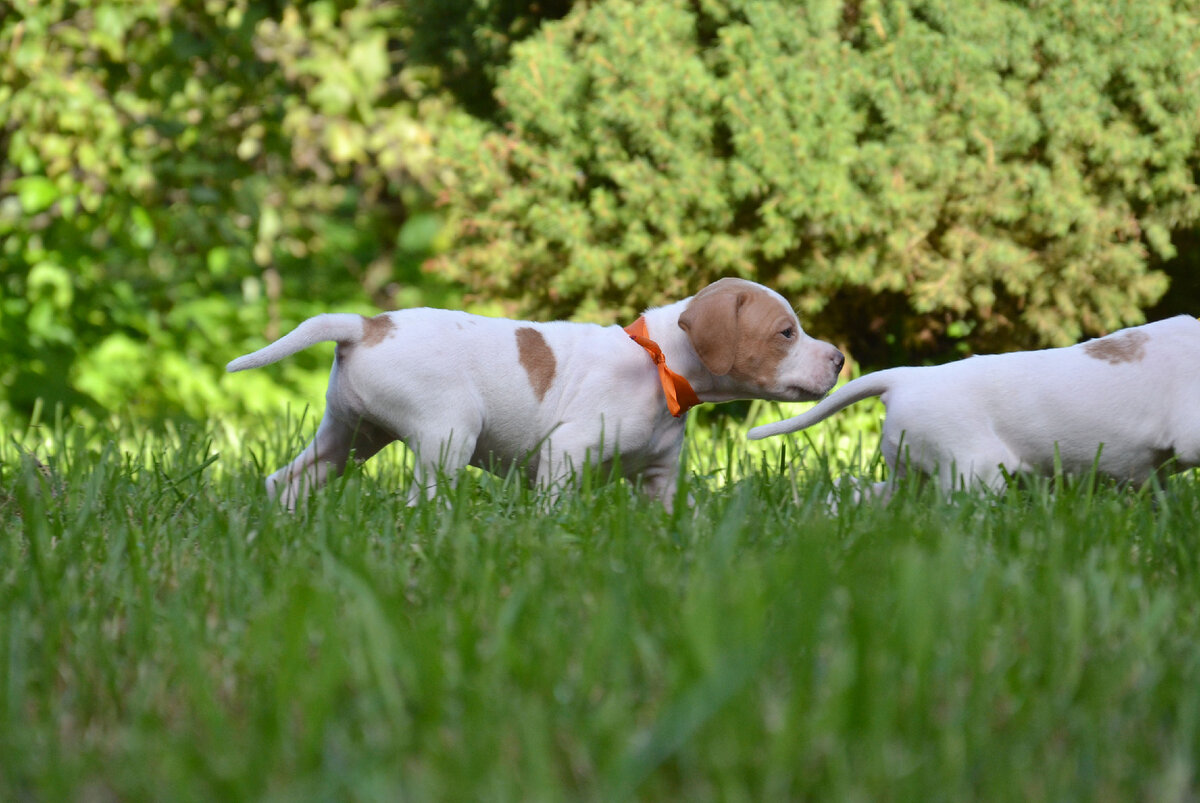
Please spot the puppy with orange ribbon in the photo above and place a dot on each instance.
(461, 389)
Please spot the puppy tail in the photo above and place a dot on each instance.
(864, 387)
(342, 327)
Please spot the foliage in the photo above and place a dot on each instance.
(165, 634)
(179, 179)
(468, 41)
(912, 172)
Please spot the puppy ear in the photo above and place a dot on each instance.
(710, 321)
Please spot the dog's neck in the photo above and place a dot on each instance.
(662, 324)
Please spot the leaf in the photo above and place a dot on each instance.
(36, 193)
(47, 279)
(218, 261)
(141, 227)
(419, 233)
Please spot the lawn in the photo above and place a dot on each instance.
(167, 635)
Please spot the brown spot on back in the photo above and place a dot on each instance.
(537, 359)
(376, 330)
(1126, 347)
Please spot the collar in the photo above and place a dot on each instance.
(679, 393)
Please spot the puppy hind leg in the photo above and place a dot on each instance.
(328, 453)
(855, 491)
(986, 471)
(329, 449)
(1183, 456)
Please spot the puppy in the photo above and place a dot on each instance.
(461, 389)
(1127, 404)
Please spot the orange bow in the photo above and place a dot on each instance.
(679, 393)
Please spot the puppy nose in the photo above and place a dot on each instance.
(838, 359)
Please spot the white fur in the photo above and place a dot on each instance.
(451, 385)
(1127, 404)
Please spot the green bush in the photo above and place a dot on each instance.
(912, 173)
(179, 180)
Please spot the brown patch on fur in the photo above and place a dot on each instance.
(376, 330)
(537, 359)
(711, 323)
(1127, 347)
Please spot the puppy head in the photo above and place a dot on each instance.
(749, 334)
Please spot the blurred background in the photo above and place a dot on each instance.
(182, 181)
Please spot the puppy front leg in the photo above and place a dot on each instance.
(556, 470)
(660, 478)
(562, 457)
(661, 483)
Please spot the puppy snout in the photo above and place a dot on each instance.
(838, 360)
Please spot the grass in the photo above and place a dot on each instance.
(164, 634)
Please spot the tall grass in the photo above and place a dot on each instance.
(166, 634)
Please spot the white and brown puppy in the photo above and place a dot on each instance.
(1127, 404)
(461, 389)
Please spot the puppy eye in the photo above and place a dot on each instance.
(789, 333)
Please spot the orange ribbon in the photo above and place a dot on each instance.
(679, 393)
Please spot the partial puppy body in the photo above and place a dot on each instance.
(461, 389)
(1127, 405)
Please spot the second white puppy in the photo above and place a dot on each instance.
(1127, 404)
